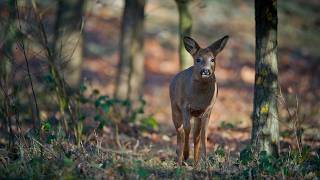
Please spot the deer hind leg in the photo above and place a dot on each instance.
(204, 134)
(177, 120)
(180, 143)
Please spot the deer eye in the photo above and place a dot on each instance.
(212, 60)
(198, 60)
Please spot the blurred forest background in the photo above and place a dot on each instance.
(84, 86)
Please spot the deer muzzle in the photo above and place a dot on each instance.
(205, 73)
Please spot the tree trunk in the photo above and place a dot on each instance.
(185, 27)
(69, 39)
(265, 130)
(8, 36)
(130, 76)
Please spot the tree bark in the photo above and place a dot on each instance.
(8, 36)
(265, 126)
(130, 76)
(69, 39)
(185, 27)
(8, 33)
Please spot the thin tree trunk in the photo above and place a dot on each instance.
(130, 76)
(185, 27)
(265, 130)
(69, 39)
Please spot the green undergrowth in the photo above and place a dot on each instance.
(60, 159)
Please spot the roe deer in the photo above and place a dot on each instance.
(193, 93)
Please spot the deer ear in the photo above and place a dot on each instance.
(218, 46)
(191, 45)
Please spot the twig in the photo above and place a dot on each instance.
(117, 151)
(297, 126)
(51, 55)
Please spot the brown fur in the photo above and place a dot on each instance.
(193, 94)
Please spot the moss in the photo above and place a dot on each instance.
(264, 72)
(264, 108)
(259, 80)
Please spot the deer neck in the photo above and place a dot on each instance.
(203, 85)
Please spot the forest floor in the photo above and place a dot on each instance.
(151, 154)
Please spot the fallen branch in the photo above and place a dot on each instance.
(121, 152)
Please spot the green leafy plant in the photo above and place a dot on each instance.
(140, 170)
(149, 123)
(246, 155)
(267, 163)
(226, 125)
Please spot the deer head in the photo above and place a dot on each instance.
(204, 58)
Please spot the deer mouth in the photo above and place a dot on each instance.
(205, 73)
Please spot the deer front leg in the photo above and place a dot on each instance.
(196, 139)
(186, 126)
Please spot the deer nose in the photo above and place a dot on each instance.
(205, 72)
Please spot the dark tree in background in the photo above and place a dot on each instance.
(69, 39)
(265, 130)
(185, 27)
(8, 36)
(130, 76)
